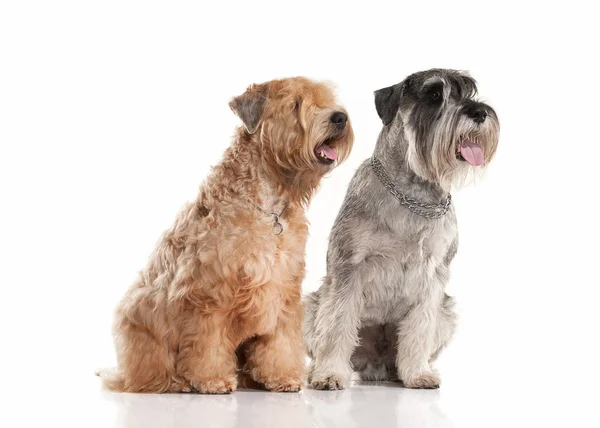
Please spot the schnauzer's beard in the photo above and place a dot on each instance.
(288, 149)
(433, 155)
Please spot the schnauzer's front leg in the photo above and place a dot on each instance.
(416, 343)
(277, 359)
(335, 338)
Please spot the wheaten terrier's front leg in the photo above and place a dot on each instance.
(277, 359)
(335, 336)
(207, 357)
(416, 343)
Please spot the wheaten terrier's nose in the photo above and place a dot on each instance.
(339, 119)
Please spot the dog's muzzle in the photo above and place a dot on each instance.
(470, 151)
(477, 112)
(339, 119)
(325, 152)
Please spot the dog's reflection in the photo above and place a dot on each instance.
(362, 405)
(260, 409)
(365, 406)
(245, 408)
(174, 410)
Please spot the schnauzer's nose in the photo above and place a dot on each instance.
(477, 112)
(339, 119)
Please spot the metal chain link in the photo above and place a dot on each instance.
(276, 217)
(430, 211)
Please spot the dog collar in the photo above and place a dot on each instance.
(276, 224)
(431, 211)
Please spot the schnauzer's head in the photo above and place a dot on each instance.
(450, 134)
(302, 132)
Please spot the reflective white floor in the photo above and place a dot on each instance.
(469, 401)
(363, 405)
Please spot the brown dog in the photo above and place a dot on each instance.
(225, 279)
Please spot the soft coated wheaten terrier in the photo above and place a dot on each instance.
(221, 292)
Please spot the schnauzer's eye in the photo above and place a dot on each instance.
(433, 92)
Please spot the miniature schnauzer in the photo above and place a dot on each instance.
(382, 310)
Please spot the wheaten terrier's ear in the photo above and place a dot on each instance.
(387, 102)
(250, 106)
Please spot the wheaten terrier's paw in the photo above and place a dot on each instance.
(423, 381)
(216, 386)
(291, 384)
(328, 383)
(180, 386)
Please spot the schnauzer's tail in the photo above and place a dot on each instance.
(112, 379)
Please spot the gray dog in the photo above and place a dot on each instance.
(382, 309)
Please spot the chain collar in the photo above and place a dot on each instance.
(430, 211)
(276, 224)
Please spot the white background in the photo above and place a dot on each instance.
(112, 112)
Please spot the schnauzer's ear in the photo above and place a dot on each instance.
(387, 102)
(250, 106)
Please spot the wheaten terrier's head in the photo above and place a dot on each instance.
(300, 128)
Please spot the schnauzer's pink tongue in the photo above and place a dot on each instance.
(471, 152)
(330, 152)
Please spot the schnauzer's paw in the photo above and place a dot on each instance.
(423, 381)
(216, 386)
(292, 384)
(328, 383)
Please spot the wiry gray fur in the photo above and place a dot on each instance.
(382, 309)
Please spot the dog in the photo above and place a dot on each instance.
(382, 310)
(220, 296)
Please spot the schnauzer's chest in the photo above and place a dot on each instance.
(409, 263)
(427, 243)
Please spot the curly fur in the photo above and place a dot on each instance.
(220, 284)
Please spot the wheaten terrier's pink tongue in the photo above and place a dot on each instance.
(330, 152)
(471, 152)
